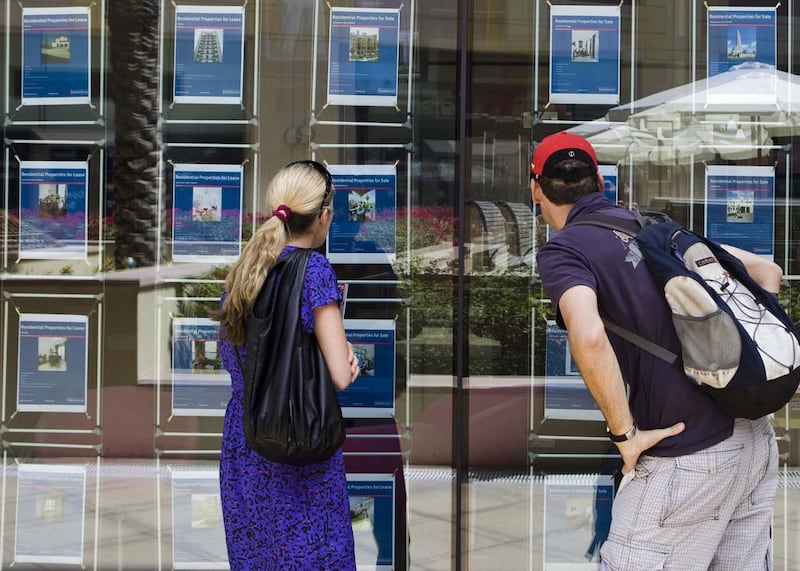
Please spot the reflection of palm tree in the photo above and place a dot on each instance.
(134, 89)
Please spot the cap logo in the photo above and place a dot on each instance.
(571, 154)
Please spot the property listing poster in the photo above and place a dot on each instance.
(198, 535)
(51, 500)
(364, 224)
(372, 393)
(209, 54)
(740, 38)
(584, 54)
(56, 56)
(740, 207)
(372, 501)
(53, 362)
(577, 517)
(364, 54)
(200, 384)
(53, 208)
(565, 394)
(610, 179)
(207, 213)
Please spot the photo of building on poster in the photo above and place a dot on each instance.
(200, 384)
(372, 513)
(198, 535)
(374, 346)
(740, 207)
(209, 54)
(565, 394)
(584, 54)
(207, 213)
(51, 502)
(56, 56)
(53, 210)
(577, 517)
(364, 55)
(364, 224)
(52, 362)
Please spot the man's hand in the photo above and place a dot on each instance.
(643, 440)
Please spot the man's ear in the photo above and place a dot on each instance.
(601, 184)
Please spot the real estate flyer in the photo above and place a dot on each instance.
(741, 38)
(584, 54)
(565, 394)
(56, 56)
(53, 362)
(207, 213)
(577, 516)
(740, 207)
(198, 535)
(53, 208)
(372, 513)
(200, 384)
(209, 54)
(364, 224)
(363, 56)
(51, 500)
(372, 393)
(610, 178)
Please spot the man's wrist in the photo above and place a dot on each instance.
(627, 435)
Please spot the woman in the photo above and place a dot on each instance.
(280, 516)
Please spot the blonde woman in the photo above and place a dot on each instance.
(280, 516)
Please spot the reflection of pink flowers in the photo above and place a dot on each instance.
(71, 226)
(225, 228)
(430, 225)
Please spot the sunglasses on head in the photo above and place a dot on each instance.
(320, 168)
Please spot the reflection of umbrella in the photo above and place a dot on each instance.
(734, 114)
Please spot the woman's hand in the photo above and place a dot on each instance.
(353, 360)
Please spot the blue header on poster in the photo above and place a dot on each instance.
(737, 37)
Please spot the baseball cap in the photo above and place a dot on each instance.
(558, 147)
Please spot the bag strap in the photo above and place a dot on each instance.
(630, 226)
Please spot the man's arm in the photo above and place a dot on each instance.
(599, 367)
(766, 274)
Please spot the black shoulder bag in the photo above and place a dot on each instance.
(291, 412)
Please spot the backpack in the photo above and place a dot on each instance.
(737, 343)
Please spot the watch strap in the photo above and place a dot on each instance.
(630, 433)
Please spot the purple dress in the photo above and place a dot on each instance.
(279, 516)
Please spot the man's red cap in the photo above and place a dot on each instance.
(558, 147)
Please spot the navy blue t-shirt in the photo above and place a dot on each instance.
(611, 264)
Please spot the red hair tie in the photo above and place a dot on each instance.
(283, 213)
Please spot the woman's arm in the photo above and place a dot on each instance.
(338, 352)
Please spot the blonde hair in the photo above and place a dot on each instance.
(306, 189)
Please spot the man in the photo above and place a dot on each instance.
(698, 486)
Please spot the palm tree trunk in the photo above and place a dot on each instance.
(134, 89)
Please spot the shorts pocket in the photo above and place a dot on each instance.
(764, 492)
(700, 484)
(617, 556)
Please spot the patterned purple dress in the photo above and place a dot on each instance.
(278, 516)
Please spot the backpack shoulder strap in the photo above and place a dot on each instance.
(655, 350)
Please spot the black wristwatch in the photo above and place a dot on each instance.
(622, 437)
